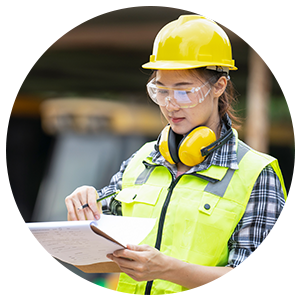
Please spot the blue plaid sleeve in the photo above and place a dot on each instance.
(114, 185)
(264, 207)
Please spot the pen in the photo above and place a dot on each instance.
(100, 199)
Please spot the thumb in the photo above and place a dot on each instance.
(137, 247)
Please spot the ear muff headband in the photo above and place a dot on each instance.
(217, 144)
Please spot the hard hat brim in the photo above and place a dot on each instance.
(182, 65)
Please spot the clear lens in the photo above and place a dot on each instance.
(183, 98)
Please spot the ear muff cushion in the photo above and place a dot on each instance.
(173, 141)
(189, 150)
(163, 145)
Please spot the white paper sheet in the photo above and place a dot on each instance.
(126, 230)
(76, 243)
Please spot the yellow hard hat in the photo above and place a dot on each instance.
(190, 42)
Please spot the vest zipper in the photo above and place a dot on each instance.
(161, 224)
(164, 211)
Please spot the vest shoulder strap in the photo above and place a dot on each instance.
(136, 165)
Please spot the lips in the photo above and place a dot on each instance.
(176, 120)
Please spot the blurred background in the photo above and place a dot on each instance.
(83, 109)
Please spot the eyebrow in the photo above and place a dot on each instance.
(176, 84)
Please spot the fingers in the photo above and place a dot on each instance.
(138, 247)
(81, 199)
(133, 252)
(125, 253)
(71, 209)
(93, 206)
(81, 196)
(123, 262)
(140, 262)
(129, 267)
(132, 268)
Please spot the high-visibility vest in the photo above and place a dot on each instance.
(196, 213)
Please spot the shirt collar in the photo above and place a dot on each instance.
(225, 156)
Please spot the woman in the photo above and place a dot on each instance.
(215, 198)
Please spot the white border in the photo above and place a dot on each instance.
(169, 6)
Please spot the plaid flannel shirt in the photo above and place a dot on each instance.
(264, 207)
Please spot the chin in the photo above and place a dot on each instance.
(180, 130)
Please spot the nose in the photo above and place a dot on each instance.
(171, 105)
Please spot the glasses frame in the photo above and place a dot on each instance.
(152, 85)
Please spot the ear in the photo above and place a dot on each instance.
(220, 86)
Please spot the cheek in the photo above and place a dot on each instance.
(164, 112)
(197, 112)
(205, 108)
(200, 113)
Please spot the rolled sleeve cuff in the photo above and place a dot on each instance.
(255, 270)
(105, 202)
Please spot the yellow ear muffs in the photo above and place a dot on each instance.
(189, 149)
(176, 148)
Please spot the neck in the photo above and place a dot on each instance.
(216, 127)
(182, 168)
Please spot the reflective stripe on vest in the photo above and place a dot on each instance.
(196, 213)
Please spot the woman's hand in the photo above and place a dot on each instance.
(142, 263)
(83, 195)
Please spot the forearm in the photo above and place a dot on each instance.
(191, 275)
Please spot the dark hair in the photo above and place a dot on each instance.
(226, 100)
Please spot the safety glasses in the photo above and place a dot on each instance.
(180, 97)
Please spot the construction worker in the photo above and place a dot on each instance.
(215, 198)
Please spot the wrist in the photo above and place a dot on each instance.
(172, 267)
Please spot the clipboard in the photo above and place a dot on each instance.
(102, 267)
(85, 244)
